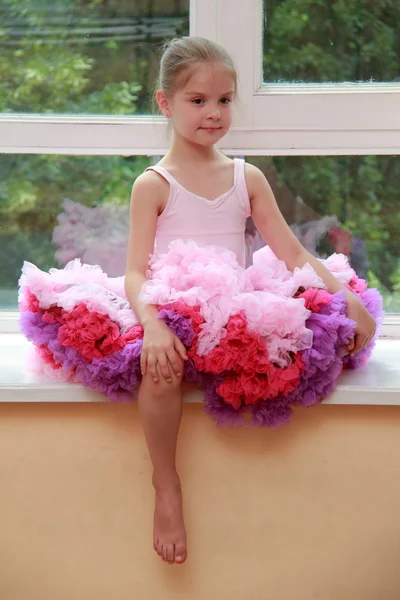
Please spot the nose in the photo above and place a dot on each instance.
(215, 113)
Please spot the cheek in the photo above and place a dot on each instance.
(229, 113)
(194, 118)
(188, 115)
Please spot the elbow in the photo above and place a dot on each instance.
(127, 278)
(297, 257)
(128, 281)
(301, 257)
(133, 279)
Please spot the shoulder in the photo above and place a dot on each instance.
(149, 182)
(150, 187)
(255, 180)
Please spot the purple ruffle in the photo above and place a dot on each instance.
(272, 413)
(223, 414)
(323, 362)
(179, 325)
(117, 375)
(36, 330)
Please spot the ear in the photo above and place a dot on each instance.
(163, 103)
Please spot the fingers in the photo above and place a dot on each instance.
(163, 364)
(350, 345)
(367, 341)
(152, 367)
(169, 364)
(360, 342)
(175, 361)
(180, 348)
(143, 362)
(163, 358)
(164, 367)
(371, 337)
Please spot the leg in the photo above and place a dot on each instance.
(160, 407)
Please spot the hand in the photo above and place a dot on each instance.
(162, 347)
(365, 328)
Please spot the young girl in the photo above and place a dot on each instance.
(196, 192)
(257, 341)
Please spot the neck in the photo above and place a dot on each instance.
(185, 151)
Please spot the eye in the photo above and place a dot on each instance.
(225, 100)
(197, 101)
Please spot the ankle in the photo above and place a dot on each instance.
(163, 481)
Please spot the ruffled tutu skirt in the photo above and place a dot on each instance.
(260, 340)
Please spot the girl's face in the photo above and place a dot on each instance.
(201, 112)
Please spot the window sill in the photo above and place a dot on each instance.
(378, 382)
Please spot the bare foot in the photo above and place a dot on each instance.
(169, 527)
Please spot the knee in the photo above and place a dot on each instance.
(163, 387)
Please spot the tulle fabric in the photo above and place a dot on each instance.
(260, 340)
(82, 230)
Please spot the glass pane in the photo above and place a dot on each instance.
(320, 41)
(56, 208)
(347, 204)
(74, 56)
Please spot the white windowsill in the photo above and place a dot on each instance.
(378, 382)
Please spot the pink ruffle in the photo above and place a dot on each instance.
(28, 300)
(47, 356)
(92, 334)
(248, 387)
(315, 299)
(358, 285)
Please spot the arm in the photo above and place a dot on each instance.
(160, 345)
(146, 202)
(284, 244)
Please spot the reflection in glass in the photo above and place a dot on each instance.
(308, 41)
(72, 56)
(57, 208)
(346, 204)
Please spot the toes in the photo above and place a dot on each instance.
(159, 548)
(180, 553)
(170, 553)
(165, 553)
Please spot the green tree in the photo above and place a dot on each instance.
(312, 41)
(100, 57)
(79, 57)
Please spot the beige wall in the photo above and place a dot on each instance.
(308, 512)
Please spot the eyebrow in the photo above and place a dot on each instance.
(194, 93)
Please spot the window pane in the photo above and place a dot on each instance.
(56, 208)
(73, 56)
(347, 204)
(315, 41)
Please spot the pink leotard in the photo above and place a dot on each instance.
(220, 222)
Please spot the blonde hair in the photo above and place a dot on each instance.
(180, 58)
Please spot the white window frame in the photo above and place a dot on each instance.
(271, 119)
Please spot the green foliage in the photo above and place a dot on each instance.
(31, 199)
(339, 40)
(362, 191)
(56, 68)
(45, 73)
(312, 41)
